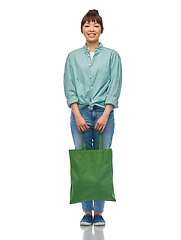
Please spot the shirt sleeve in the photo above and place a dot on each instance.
(69, 84)
(114, 88)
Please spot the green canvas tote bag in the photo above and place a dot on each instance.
(91, 174)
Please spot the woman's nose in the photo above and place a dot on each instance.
(91, 28)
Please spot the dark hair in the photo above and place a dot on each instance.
(92, 15)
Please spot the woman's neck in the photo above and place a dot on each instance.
(92, 45)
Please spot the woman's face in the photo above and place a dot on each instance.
(91, 31)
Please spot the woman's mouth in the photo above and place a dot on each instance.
(91, 35)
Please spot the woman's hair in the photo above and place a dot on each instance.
(92, 15)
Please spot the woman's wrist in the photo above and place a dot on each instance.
(108, 110)
(75, 109)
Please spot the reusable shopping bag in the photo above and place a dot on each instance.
(91, 174)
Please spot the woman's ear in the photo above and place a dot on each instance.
(102, 30)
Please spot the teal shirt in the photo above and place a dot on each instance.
(95, 82)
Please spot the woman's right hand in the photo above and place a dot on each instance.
(81, 124)
(80, 121)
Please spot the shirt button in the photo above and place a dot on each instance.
(91, 87)
(89, 64)
(90, 76)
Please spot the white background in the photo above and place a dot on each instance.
(35, 39)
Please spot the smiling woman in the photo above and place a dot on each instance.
(92, 83)
(92, 28)
(92, 32)
(92, 16)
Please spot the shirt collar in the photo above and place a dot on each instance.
(97, 49)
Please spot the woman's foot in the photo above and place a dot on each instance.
(99, 220)
(87, 220)
(99, 213)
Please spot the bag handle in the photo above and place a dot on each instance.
(99, 141)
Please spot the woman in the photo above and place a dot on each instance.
(92, 83)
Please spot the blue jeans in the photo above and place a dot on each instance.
(91, 141)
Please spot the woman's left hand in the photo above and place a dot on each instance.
(101, 123)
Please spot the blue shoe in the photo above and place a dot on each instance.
(87, 220)
(99, 220)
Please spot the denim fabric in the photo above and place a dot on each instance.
(97, 206)
(91, 141)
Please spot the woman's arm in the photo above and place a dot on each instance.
(114, 89)
(102, 121)
(69, 84)
(80, 121)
